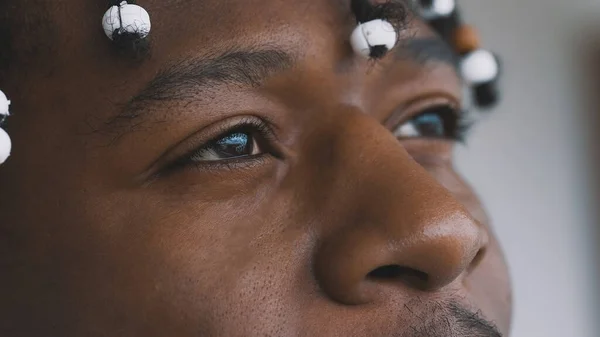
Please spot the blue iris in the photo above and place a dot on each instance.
(430, 124)
(235, 144)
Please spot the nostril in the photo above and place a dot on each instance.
(387, 272)
(476, 260)
(395, 273)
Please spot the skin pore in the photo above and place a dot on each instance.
(250, 177)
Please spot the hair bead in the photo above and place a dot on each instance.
(373, 39)
(5, 142)
(126, 20)
(4, 104)
(479, 67)
(433, 9)
(486, 95)
(465, 39)
(375, 34)
(5, 146)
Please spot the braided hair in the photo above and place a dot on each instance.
(377, 33)
(480, 69)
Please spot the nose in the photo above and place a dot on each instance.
(389, 225)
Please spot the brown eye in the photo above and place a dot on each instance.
(436, 122)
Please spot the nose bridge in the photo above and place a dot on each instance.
(387, 212)
(365, 165)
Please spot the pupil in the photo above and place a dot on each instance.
(234, 145)
(430, 125)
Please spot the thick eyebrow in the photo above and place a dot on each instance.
(245, 68)
(183, 80)
(250, 68)
(186, 78)
(425, 50)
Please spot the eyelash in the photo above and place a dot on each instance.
(260, 131)
(455, 124)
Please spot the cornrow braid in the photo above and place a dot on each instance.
(392, 11)
(481, 69)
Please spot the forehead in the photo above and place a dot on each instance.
(186, 28)
(200, 27)
(53, 27)
(183, 28)
(78, 53)
(208, 19)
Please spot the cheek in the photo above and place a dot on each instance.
(217, 265)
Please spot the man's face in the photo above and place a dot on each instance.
(252, 177)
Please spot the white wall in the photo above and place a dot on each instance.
(530, 162)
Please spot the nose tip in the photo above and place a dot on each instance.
(360, 265)
(390, 227)
(441, 253)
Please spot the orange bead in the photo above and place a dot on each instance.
(466, 39)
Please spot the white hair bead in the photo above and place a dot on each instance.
(438, 8)
(5, 146)
(126, 18)
(479, 67)
(373, 33)
(4, 104)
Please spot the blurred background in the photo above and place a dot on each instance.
(534, 159)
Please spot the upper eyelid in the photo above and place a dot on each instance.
(223, 131)
(181, 81)
(412, 108)
(462, 124)
(431, 79)
(193, 142)
(400, 117)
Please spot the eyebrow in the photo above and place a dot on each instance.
(244, 68)
(186, 79)
(426, 50)
(183, 80)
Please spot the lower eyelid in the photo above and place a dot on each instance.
(240, 163)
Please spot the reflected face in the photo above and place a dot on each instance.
(252, 177)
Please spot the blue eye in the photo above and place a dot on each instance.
(235, 144)
(232, 145)
(437, 122)
(430, 124)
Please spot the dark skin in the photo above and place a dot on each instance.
(330, 225)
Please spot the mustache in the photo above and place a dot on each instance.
(450, 320)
